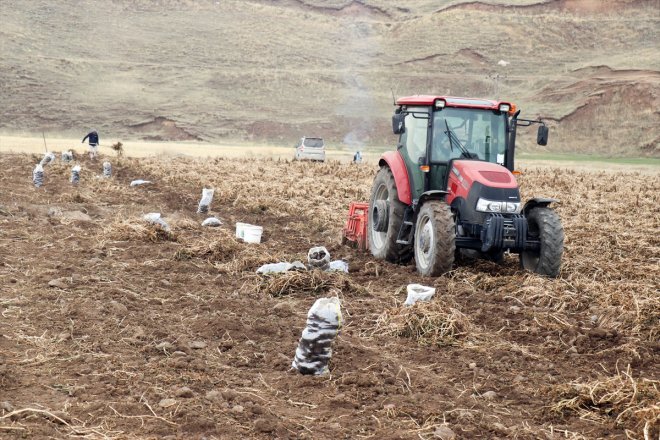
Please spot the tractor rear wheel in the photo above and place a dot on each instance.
(435, 239)
(385, 219)
(544, 225)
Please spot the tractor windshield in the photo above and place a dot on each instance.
(481, 132)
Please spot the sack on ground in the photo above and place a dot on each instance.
(75, 174)
(38, 175)
(417, 292)
(67, 156)
(212, 222)
(318, 257)
(315, 347)
(47, 159)
(140, 182)
(280, 267)
(154, 218)
(338, 266)
(205, 202)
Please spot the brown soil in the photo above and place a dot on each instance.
(110, 329)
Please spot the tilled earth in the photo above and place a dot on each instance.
(110, 328)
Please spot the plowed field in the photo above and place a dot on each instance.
(110, 328)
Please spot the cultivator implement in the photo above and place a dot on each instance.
(355, 231)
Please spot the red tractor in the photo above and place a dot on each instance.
(449, 189)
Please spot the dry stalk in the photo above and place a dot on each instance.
(308, 283)
(622, 398)
(429, 323)
(212, 250)
(137, 230)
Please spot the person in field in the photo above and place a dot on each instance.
(357, 157)
(93, 137)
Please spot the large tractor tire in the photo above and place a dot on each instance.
(385, 219)
(435, 239)
(543, 224)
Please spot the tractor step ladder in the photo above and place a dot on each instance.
(407, 227)
(355, 230)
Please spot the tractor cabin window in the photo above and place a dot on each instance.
(481, 132)
(414, 138)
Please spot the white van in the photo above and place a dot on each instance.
(310, 148)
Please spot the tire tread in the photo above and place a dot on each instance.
(445, 248)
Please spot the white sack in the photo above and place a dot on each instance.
(318, 257)
(140, 182)
(417, 292)
(155, 219)
(315, 347)
(338, 266)
(38, 175)
(75, 174)
(212, 222)
(205, 202)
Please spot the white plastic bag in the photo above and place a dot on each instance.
(140, 182)
(338, 266)
(274, 268)
(75, 174)
(38, 175)
(107, 169)
(315, 347)
(280, 267)
(212, 222)
(155, 219)
(318, 257)
(205, 202)
(417, 292)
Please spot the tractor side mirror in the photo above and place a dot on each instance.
(542, 135)
(398, 123)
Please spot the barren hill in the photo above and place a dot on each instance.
(275, 70)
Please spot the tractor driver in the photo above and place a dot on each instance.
(442, 148)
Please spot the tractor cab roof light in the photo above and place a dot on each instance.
(507, 107)
(440, 103)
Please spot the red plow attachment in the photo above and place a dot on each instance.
(355, 230)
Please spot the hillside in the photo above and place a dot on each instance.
(275, 70)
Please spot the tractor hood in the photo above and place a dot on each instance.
(486, 173)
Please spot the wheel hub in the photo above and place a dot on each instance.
(380, 215)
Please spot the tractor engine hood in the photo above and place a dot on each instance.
(486, 173)
(472, 181)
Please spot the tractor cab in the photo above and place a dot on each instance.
(450, 185)
(436, 130)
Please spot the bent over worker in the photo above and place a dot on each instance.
(93, 143)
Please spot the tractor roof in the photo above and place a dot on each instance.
(452, 101)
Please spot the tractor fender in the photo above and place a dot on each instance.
(396, 164)
(431, 195)
(537, 201)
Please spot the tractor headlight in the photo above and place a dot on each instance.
(484, 205)
(513, 207)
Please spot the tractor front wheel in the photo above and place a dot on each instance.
(435, 239)
(544, 225)
(385, 219)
